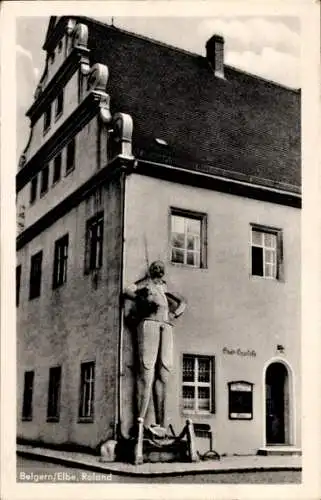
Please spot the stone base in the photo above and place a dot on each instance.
(166, 450)
(275, 450)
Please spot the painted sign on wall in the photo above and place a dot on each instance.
(239, 352)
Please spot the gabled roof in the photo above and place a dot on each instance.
(241, 126)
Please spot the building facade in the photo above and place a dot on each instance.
(140, 151)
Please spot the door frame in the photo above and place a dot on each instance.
(292, 401)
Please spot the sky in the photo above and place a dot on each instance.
(266, 46)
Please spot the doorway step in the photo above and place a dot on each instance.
(279, 450)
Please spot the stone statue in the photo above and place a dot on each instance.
(155, 310)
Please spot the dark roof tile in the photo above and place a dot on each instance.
(241, 124)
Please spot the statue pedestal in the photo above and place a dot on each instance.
(167, 450)
(148, 447)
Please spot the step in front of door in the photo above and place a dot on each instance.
(279, 450)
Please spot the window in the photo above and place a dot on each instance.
(53, 407)
(60, 46)
(27, 395)
(87, 381)
(198, 384)
(266, 252)
(18, 282)
(35, 275)
(94, 243)
(59, 103)
(33, 189)
(47, 119)
(60, 261)
(70, 163)
(44, 180)
(57, 168)
(188, 238)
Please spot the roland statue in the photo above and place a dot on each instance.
(155, 310)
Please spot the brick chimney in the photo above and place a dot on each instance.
(215, 54)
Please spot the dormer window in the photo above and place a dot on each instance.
(59, 104)
(47, 119)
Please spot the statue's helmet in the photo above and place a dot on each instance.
(157, 269)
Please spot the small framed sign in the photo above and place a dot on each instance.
(240, 400)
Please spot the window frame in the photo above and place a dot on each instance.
(35, 292)
(71, 146)
(28, 390)
(44, 190)
(202, 217)
(86, 417)
(279, 250)
(195, 383)
(56, 158)
(60, 263)
(33, 189)
(94, 222)
(54, 389)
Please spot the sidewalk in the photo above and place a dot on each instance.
(225, 464)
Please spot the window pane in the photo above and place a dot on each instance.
(178, 224)
(178, 256)
(204, 398)
(193, 242)
(203, 370)
(178, 240)
(270, 256)
(257, 261)
(188, 397)
(257, 237)
(270, 240)
(188, 369)
(270, 270)
(193, 259)
(194, 226)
